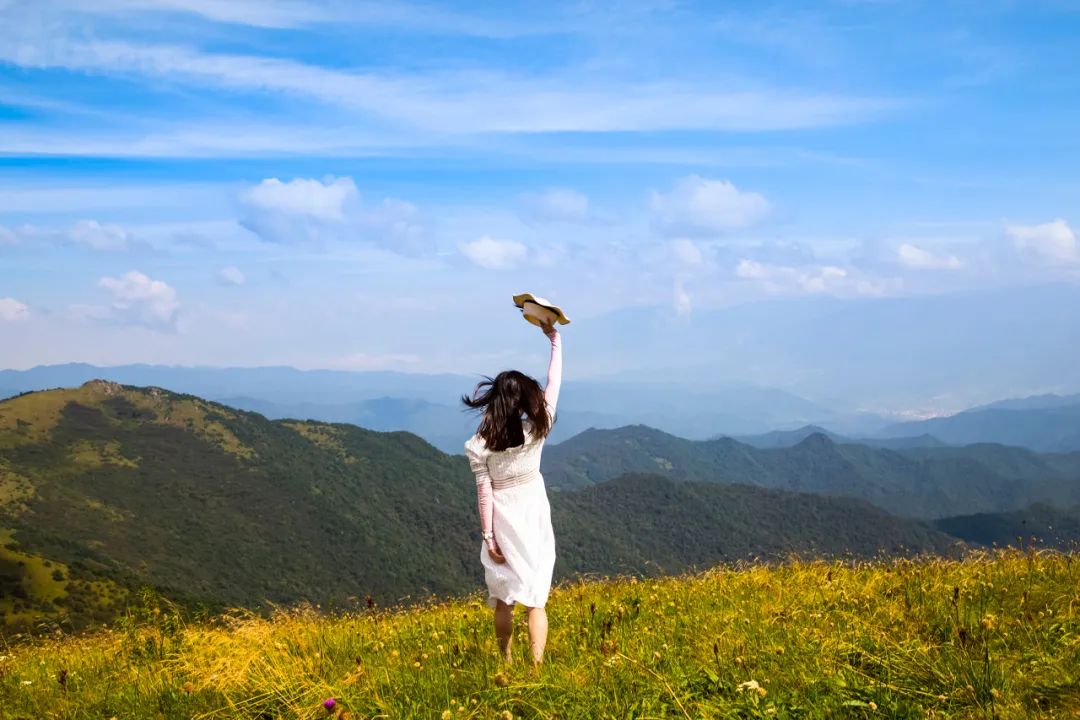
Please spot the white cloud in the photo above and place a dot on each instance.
(307, 210)
(231, 275)
(1051, 243)
(11, 310)
(917, 258)
(138, 299)
(812, 280)
(318, 200)
(96, 236)
(698, 205)
(556, 205)
(494, 254)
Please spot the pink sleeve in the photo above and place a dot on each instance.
(478, 463)
(554, 376)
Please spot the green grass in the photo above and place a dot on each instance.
(39, 579)
(992, 636)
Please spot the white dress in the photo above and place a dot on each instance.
(521, 522)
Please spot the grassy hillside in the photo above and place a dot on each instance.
(996, 636)
(105, 489)
(914, 482)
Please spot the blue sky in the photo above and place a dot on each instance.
(363, 185)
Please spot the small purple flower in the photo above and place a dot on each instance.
(329, 703)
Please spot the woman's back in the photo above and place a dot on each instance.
(513, 466)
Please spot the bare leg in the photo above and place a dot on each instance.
(504, 627)
(538, 630)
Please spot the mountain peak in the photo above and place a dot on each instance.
(107, 387)
(816, 440)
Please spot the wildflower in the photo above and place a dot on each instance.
(989, 622)
(27, 682)
(872, 705)
(329, 703)
(394, 654)
(656, 654)
(447, 715)
(189, 687)
(762, 692)
(417, 665)
(506, 715)
(750, 685)
(502, 680)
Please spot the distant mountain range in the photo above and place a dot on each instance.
(789, 438)
(105, 488)
(429, 405)
(924, 482)
(1053, 427)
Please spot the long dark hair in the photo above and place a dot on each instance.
(504, 399)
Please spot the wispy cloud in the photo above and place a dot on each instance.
(468, 99)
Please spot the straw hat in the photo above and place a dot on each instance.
(538, 310)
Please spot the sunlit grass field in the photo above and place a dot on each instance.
(995, 635)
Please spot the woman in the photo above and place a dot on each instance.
(519, 546)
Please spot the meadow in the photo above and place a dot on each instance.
(994, 635)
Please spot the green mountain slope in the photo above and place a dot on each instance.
(669, 526)
(129, 486)
(1047, 526)
(914, 482)
(107, 488)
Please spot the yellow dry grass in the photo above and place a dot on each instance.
(992, 636)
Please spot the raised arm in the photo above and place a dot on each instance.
(554, 376)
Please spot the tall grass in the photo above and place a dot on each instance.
(992, 636)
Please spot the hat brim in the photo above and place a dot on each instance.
(520, 300)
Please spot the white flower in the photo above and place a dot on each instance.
(750, 685)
